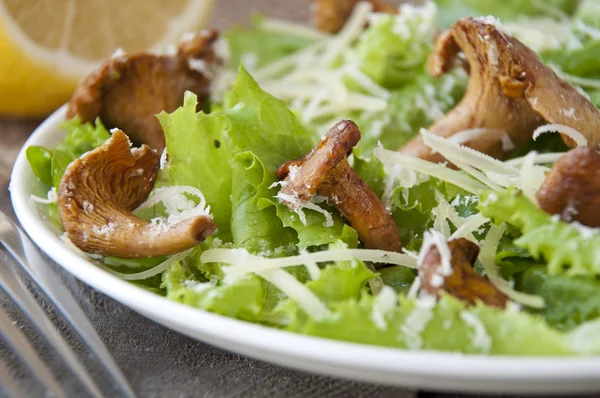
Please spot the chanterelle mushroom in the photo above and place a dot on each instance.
(331, 15)
(128, 91)
(100, 190)
(572, 189)
(464, 282)
(509, 89)
(325, 171)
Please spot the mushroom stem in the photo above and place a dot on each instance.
(464, 282)
(325, 171)
(363, 210)
(572, 188)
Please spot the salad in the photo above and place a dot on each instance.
(420, 177)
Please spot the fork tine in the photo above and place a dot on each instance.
(21, 346)
(28, 256)
(15, 288)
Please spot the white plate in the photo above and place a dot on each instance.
(426, 370)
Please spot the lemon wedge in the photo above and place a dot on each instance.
(47, 47)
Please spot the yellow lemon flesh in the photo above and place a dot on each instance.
(47, 47)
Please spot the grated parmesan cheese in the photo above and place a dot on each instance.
(531, 179)
(159, 269)
(87, 206)
(297, 292)
(230, 256)
(491, 20)
(443, 249)
(430, 169)
(106, 230)
(311, 266)
(416, 322)
(414, 288)
(368, 84)
(472, 224)
(562, 129)
(383, 304)
(487, 255)
(479, 338)
(466, 155)
(585, 231)
(163, 159)
(284, 281)
(176, 203)
(541, 158)
(543, 34)
(277, 25)
(199, 287)
(51, 197)
(299, 205)
(350, 31)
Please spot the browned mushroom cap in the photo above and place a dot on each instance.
(464, 283)
(100, 190)
(331, 15)
(325, 171)
(572, 188)
(127, 91)
(509, 89)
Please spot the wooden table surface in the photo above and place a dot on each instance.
(13, 133)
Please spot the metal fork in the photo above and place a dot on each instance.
(26, 254)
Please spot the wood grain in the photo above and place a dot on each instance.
(13, 133)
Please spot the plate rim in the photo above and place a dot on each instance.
(353, 360)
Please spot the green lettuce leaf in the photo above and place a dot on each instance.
(279, 227)
(259, 230)
(264, 125)
(199, 154)
(40, 160)
(49, 165)
(570, 301)
(584, 61)
(340, 281)
(412, 207)
(417, 104)
(256, 46)
(594, 96)
(568, 248)
(453, 10)
(371, 170)
(398, 277)
(394, 48)
(314, 233)
(446, 328)
(512, 260)
(242, 298)
(82, 137)
(546, 143)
